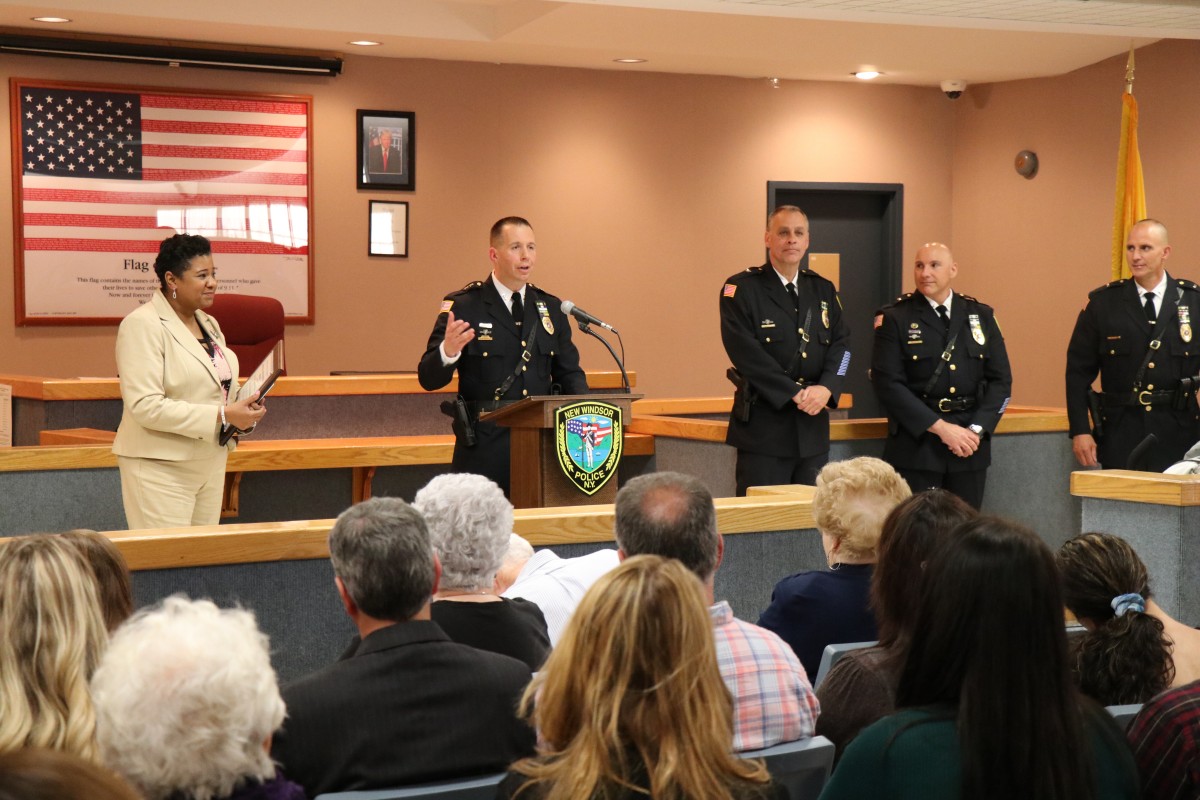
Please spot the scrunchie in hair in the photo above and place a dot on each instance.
(1123, 603)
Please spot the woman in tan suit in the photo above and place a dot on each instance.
(177, 383)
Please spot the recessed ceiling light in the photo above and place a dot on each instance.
(867, 74)
(50, 19)
(630, 60)
(365, 43)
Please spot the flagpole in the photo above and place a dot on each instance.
(1130, 200)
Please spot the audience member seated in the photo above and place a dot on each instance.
(51, 637)
(672, 515)
(470, 522)
(39, 774)
(186, 703)
(1165, 736)
(408, 705)
(861, 687)
(1132, 649)
(113, 582)
(810, 610)
(554, 584)
(630, 703)
(988, 709)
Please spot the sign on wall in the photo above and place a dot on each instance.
(102, 174)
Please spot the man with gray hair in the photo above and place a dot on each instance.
(407, 705)
(670, 514)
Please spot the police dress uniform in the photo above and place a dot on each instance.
(761, 331)
(1113, 337)
(492, 356)
(973, 388)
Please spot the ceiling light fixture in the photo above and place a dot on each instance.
(50, 19)
(365, 43)
(867, 74)
(629, 60)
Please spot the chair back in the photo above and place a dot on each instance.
(252, 326)
(1124, 714)
(801, 767)
(482, 787)
(833, 653)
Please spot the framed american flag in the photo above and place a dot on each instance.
(102, 174)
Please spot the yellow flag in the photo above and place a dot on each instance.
(1131, 191)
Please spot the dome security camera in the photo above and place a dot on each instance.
(954, 88)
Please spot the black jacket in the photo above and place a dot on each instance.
(909, 344)
(760, 331)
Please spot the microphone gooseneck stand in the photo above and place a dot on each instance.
(586, 328)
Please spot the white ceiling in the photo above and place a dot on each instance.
(917, 42)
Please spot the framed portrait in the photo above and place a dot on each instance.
(102, 174)
(387, 150)
(388, 225)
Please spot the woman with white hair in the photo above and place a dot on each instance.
(470, 522)
(186, 704)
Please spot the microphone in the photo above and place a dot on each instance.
(584, 317)
(1137, 457)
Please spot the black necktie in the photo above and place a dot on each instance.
(1149, 306)
(944, 316)
(791, 287)
(518, 310)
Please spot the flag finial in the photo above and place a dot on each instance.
(1129, 71)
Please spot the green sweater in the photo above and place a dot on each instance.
(922, 762)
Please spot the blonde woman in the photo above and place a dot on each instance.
(53, 636)
(631, 703)
(810, 610)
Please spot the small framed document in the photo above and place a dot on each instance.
(389, 229)
(260, 381)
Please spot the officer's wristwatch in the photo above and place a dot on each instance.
(975, 429)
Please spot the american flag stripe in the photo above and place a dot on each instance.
(207, 104)
(153, 200)
(224, 153)
(151, 246)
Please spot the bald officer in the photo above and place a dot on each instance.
(1139, 335)
(941, 371)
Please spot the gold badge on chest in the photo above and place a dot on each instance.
(976, 329)
(545, 315)
(1185, 323)
(825, 313)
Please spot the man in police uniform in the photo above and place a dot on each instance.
(941, 371)
(782, 329)
(1146, 353)
(508, 340)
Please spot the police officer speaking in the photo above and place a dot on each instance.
(941, 371)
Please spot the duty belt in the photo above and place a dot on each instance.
(948, 404)
(477, 407)
(1143, 398)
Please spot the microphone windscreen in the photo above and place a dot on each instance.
(567, 306)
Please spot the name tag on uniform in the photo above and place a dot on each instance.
(767, 323)
(485, 331)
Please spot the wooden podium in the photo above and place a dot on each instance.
(537, 479)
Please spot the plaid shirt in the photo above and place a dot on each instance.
(1164, 736)
(773, 700)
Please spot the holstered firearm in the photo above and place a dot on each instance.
(461, 422)
(1095, 402)
(743, 396)
(1186, 391)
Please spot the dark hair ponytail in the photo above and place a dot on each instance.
(1127, 657)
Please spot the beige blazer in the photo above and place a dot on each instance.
(168, 384)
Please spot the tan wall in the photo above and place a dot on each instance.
(648, 189)
(1035, 248)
